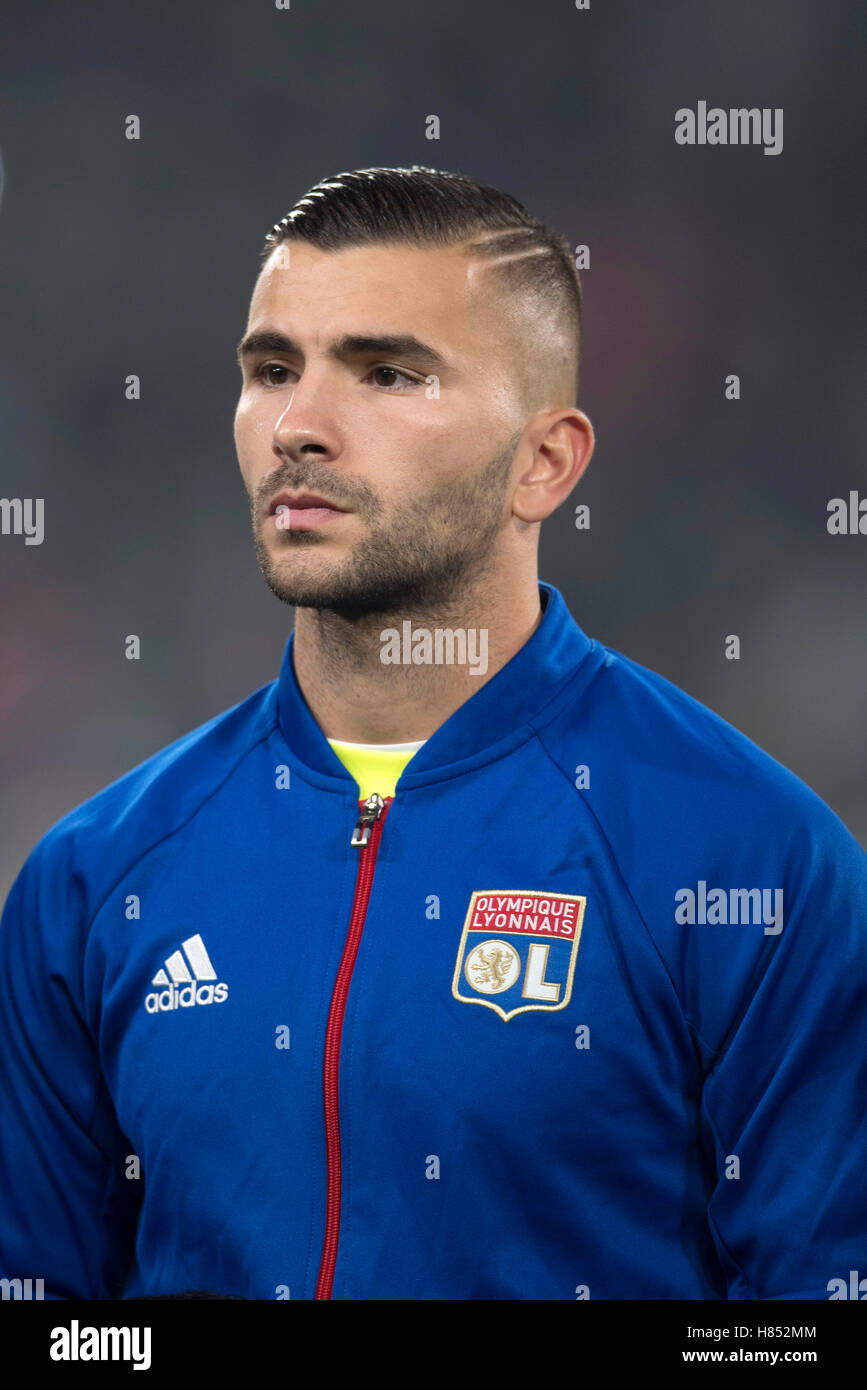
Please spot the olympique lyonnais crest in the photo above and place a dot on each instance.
(518, 951)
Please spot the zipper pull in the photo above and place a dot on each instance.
(373, 809)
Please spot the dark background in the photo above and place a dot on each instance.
(708, 517)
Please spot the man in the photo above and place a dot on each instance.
(468, 959)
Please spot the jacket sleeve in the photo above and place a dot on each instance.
(67, 1213)
(785, 1104)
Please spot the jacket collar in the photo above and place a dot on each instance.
(493, 720)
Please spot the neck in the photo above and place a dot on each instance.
(354, 695)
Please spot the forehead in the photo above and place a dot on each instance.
(434, 292)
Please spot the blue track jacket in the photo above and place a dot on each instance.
(581, 1014)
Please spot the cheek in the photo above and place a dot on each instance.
(251, 444)
(240, 422)
(250, 426)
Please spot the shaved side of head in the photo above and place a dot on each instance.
(544, 317)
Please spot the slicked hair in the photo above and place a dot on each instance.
(429, 207)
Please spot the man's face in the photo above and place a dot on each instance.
(422, 467)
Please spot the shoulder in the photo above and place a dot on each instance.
(652, 746)
(684, 808)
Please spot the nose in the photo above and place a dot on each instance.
(305, 425)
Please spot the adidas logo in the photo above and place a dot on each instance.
(182, 988)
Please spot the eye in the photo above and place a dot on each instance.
(263, 373)
(393, 372)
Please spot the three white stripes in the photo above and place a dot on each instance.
(177, 966)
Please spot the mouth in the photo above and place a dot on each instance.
(302, 511)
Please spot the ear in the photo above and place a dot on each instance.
(560, 443)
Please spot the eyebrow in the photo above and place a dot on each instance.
(402, 345)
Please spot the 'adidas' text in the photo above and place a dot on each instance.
(174, 998)
(182, 976)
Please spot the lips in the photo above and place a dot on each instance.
(301, 501)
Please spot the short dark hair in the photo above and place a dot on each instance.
(425, 206)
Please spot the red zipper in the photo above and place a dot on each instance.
(366, 837)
